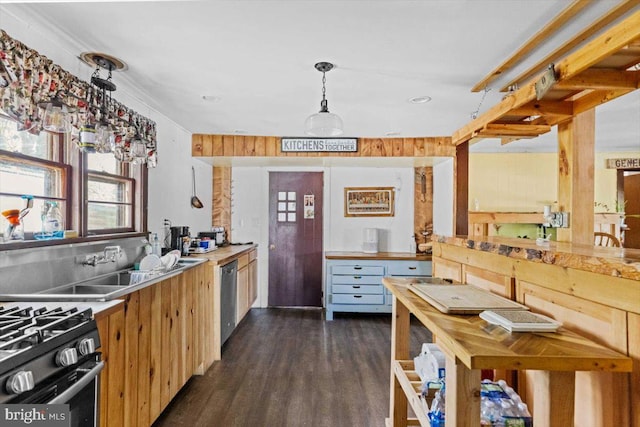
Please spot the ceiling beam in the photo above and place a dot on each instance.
(593, 52)
(545, 108)
(596, 98)
(601, 79)
(538, 38)
(513, 129)
(623, 7)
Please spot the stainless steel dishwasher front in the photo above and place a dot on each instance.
(228, 297)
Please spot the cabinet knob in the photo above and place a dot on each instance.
(272, 247)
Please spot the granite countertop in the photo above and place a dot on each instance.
(616, 262)
(398, 256)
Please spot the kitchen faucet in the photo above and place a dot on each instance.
(110, 254)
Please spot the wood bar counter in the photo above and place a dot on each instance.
(593, 291)
(471, 344)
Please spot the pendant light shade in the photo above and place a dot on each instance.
(56, 117)
(323, 123)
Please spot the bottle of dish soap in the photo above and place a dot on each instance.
(53, 222)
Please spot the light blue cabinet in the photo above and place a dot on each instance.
(354, 285)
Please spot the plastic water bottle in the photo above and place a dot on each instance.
(155, 245)
(53, 222)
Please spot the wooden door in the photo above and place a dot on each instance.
(295, 239)
(632, 209)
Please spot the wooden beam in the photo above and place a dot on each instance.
(622, 8)
(601, 79)
(538, 38)
(606, 44)
(596, 98)
(576, 154)
(545, 108)
(515, 129)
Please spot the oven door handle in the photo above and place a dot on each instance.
(66, 395)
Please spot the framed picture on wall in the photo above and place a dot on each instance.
(369, 201)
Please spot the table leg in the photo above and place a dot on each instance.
(462, 394)
(400, 328)
(553, 397)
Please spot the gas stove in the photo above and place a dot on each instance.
(40, 344)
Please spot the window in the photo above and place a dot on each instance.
(96, 193)
(109, 195)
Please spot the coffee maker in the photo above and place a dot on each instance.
(177, 235)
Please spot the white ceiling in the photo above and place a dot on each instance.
(257, 59)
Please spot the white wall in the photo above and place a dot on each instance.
(250, 210)
(170, 182)
(443, 198)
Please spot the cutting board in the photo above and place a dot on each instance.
(463, 299)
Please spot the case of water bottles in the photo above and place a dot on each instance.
(500, 405)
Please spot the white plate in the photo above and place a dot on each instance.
(150, 262)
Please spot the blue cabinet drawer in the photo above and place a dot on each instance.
(356, 280)
(356, 289)
(357, 299)
(362, 270)
(410, 268)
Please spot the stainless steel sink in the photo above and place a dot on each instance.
(85, 290)
(103, 288)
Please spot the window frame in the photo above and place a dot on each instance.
(74, 166)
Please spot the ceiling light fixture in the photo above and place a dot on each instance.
(323, 123)
(420, 99)
(105, 134)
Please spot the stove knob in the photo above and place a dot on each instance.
(86, 346)
(67, 357)
(20, 382)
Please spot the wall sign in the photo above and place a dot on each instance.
(632, 163)
(315, 145)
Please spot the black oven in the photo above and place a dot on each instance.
(77, 387)
(48, 356)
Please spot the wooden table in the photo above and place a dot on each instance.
(471, 344)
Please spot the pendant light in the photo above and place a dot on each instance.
(104, 131)
(323, 123)
(56, 116)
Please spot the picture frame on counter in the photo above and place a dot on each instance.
(369, 201)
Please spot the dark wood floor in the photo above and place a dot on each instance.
(289, 367)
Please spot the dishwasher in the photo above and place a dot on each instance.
(228, 299)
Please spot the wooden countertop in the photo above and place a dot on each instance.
(393, 256)
(226, 254)
(616, 262)
(480, 345)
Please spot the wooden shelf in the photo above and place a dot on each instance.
(412, 385)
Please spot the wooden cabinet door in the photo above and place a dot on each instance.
(446, 269)
(242, 305)
(253, 283)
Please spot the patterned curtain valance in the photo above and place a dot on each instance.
(28, 80)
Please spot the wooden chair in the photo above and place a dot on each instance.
(605, 239)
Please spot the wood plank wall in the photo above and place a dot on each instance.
(423, 204)
(203, 145)
(221, 214)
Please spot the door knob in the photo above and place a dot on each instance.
(272, 247)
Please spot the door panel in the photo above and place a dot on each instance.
(295, 239)
(632, 209)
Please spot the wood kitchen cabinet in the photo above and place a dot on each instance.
(592, 291)
(152, 346)
(247, 283)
